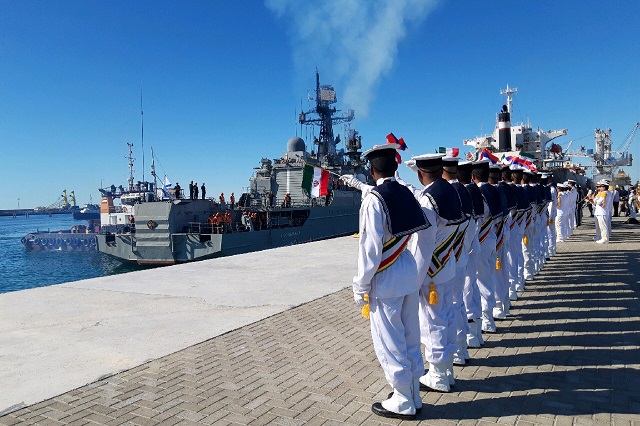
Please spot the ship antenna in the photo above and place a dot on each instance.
(142, 130)
(509, 91)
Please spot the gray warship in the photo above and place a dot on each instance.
(149, 227)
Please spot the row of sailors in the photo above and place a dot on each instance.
(474, 235)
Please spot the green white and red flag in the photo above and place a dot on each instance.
(315, 181)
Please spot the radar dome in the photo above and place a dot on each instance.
(296, 144)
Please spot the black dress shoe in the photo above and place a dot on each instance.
(418, 410)
(378, 409)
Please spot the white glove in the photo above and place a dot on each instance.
(351, 181)
(412, 165)
(359, 299)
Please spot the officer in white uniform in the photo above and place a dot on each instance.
(601, 212)
(437, 324)
(388, 274)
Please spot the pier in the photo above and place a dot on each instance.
(274, 337)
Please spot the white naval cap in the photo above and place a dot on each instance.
(528, 172)
(428, 162)
(377, 148)
(546, 175)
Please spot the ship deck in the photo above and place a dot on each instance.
(215, 342)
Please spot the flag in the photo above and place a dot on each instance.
(449, 152)
(486, 154)
(165, 186)
(315, 181)
(391, 138)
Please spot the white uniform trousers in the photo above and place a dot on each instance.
(396, 338)
(515, 248)
(562, 228)
(459, 310)
(501, 291)
(527, 252)
(486, 276)
(551, 238)
(602, 231)
(519, 255)
(471, 293)
(435, 320)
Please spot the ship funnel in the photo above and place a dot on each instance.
(504, 130)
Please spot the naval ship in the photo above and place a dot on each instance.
(151, 228)
(523, 141)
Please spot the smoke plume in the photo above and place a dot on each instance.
(354, 41)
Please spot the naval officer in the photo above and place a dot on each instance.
(388, 275)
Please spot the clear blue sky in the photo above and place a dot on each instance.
(224, 80)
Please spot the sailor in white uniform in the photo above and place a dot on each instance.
(461, 249)
(471, 292)
(437, 324)
(487, 236)
(388, 275)
(601, 212)
(563, 211)
(528, 241)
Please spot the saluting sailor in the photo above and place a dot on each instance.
(437, 325)
(490, 222)
(387, 273)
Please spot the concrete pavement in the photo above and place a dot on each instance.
(569, 355)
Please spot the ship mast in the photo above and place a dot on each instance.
(325, 98)
(508, 92)
(131, 159)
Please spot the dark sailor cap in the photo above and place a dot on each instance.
(481, 164)
(450, 164)
(387, 150)
(429, 163)
(465, 165)
(495, 169)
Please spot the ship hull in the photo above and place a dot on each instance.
(176, 232)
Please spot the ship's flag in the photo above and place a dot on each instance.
(165, 186)
(391, 138)
(315, 181)
(449, 152)
(489, 156)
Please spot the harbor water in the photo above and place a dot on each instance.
(21, 269)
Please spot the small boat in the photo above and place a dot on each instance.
(87, 212)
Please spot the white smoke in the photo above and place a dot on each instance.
(355, 41)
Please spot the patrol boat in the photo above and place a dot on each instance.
(149, 228)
